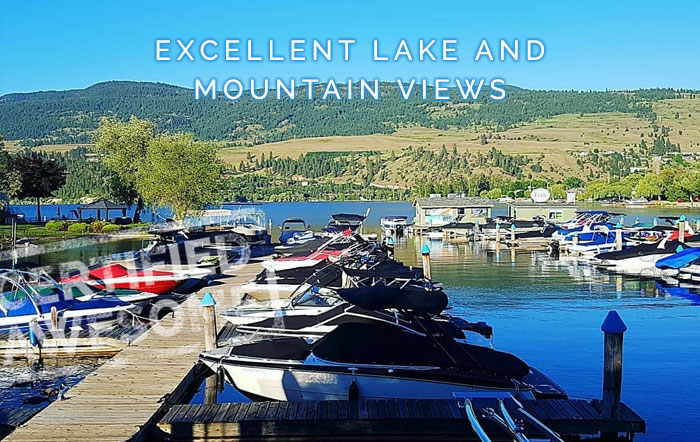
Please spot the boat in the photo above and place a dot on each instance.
(595, 242)
(370, 361)
(83, 292)
(683, 266)
(504, 225)
(342, 222)
(394, 224)
(637, 202)
(639, 260)
(311, 320)
(332, 249)
(116, 276)
(291, 228)
(27, 298)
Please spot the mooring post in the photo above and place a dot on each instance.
(636, 220)
(425, 252)
(477, 229)
(656, 221)
(54, 318)
(498, 233)
(618, 236)
(575, 240)
(512, 234)
(209, 313)
(614, 329)
(622, 219)
(681, 229)
(390, 247)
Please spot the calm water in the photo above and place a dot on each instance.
(548, 312)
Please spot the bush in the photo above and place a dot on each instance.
(77, 228)
(109, 228)
(56, 226)
(97, 226)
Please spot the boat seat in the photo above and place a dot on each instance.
(295, 349)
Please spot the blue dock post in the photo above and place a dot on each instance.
(425, 253)
(209, 314)
(390, 247)
(614, 329)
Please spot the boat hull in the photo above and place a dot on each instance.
(290, 384)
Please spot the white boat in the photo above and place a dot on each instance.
(370, 361)
(394, 225)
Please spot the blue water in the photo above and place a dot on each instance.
(549, 312)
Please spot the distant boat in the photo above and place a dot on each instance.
(637, 202)
(341, 222)
(394, 224)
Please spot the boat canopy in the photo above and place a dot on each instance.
(381, 297)
(348, 217)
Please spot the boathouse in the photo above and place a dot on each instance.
(438, 210)
(550, 210)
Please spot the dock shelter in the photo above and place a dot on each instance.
(102, 206)
(438, 211)
(549, 210)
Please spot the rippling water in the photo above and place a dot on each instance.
(549, 311)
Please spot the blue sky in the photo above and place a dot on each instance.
(590, 45)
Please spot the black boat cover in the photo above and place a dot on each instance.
(348, 217)
(386, 269)
(642, 250)
(371, 343)
(380, 297)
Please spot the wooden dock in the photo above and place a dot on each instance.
(69, 343)
(122, 395)
(393, 419)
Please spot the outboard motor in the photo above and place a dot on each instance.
(553, 249)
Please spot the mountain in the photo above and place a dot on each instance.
(55, 117)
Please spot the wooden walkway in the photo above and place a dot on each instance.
(117, 399)
(404, 419)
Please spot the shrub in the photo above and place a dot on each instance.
(109, 228)
(77, 228)
(97, 226)
(56, 226)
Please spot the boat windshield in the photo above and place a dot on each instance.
(311, 299)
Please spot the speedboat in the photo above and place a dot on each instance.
(292, 227)
(116, 276)
(370, 361)
(504, 225)
(681, 266)
(595, 242)
(639, 260)
(332, 249)
(83, 292)
(342, 222)
(365, 304)
(27, 297)
(394, 224)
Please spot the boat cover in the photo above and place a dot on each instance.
(380, 297)
(642, 250)
(372, 343)
(680, 259)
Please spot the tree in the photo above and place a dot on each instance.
(39, 178)
(180, 173)
(558, 191)
(123, 147)
(650, 186)
(690, 183)
(10, 179)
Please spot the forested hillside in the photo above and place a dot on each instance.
(56, 117)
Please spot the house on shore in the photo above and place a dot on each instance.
(554, 211)
(437, 211)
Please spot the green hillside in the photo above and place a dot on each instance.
(60, 117)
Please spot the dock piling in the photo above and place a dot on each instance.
(618, 236)
(425, 252)
(681, 229)
(498, 233)
(512, 235)
(614, 329)
(390, 247)
(209, 313)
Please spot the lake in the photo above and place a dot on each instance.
(548, 312)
